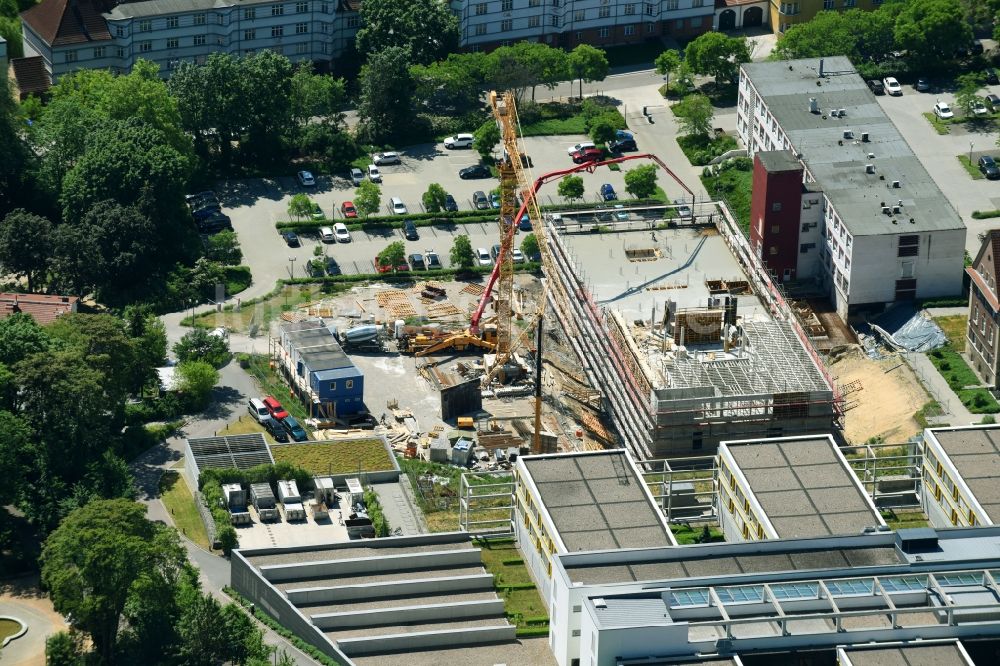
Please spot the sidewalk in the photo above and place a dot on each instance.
(956, 413)
(396, 506)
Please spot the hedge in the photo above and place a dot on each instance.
(515, 586)
(393, 221)
(985, 214)
(259, 474)
(529, 632)
(375, 514)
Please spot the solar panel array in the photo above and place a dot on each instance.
(230, 452)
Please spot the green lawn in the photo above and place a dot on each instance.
(687, 535)
(342, 457)
(734, 185)
(901, 520)
(701, 149)
(273, 383)
(959, 375)
(940, 126)
(925, 415)
(955, 327)
(524, 607)
(571, 125)
(177, 497)
(970, 167)
(8, 628)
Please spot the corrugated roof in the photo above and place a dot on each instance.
(31, 76)
(60, 22)
(43, 308)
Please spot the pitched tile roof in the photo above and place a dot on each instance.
(43, 308)
(60, 22)
(30, 75)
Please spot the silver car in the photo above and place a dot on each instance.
(357, 176)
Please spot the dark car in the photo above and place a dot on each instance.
(608, 192)
(991, 76)
(332, 267)
(291, 238)
(877, 86)
(297, 432)
(477, 171)
(993, 101)
(210, 201)
(205, 212)
(495, 251)
(976, 48)
(410, 230)
(417, 262)
(214, 224)
(450, 204)
(480, 201)
(623, 146)
(525, 223)
(989, 167)
(276, 430)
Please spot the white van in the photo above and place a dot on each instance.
(459, 141)
(326, 235)
(397, 205)
(257, 410)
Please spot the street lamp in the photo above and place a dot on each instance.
(971, 146)
(291, 267)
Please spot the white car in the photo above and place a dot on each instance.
(942, 110)
(483, 257)
(683, 210)
(341, 233)
(979, 108)
(580, 147)
(458, 141)
(326, 235)
(892, 86)
(620, 213)
(374, 174)
(386, 158)
(306, 179)
(357, 176)
(517, 256)
(397, 206)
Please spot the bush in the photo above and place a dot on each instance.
(228, 539)
(236, 279)
(374, 507)
(985, 214)
(200, 345)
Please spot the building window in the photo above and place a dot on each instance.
(697, 3)
(827, 4)
(909, 246)
(70, 56)
(333, 386)
(119, 31)
(98, 52)
(775, 229)
(220, 19)
(554, 20)
(629, 10)
(249, 13)
(579, 15)
(603, 32)
(301, 7)
(277, 10)
(773, 250)
(277, 30)
(650, 27)
(629, 30)
(145, 26)
(534, 21)
(199, 19)
(776, 207)
(480, 9)
(302, 49)
(348, 383)
(145, 47)
(301, 28)
(172, 43)
(199, 40)
(534, 3)
(506, 25)
(481, 29)
(604, 12)
(121, 52)
(671, 5)
(650, 9)
(353, 21)
(172, 21)
(507, 5)
(249, 35)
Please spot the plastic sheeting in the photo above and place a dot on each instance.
(904, 328)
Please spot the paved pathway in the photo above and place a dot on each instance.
(22, 599)
(396, 506)
(956, 413)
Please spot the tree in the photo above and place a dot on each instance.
(224, 247)
(571, 187)
(529, 246)
(829, 33)
(200, 345)
(64, 648)
(462, 255)
(427, 28)
(92, 564)
(368, 198)
(640, 182)
(393, 255)
(715, 54)
(434, 198)
(26, 246)
(386, 94)
(486, 138)
(667, 63)
(451, 85)
(210, 634)
(604, 127)
(195, 380)
(931, 31)
(299, 206)
(967, 86)
(587, 63)
(315, 96)
(694, 115)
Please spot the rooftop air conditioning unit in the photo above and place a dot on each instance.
(841, 112)
(864, 137)
(848, 134)
(896, 210)
(895, 184)
(886, 210)
(869, 168)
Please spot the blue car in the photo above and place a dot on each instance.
(608, 192)
(525, 223)
(293, 428)
(622, 135)
(494, 200)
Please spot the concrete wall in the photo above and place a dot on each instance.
(388, 542)
(403, 615)
(401, 562)
(443, 639)
(315, 595)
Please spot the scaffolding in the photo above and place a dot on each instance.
(486, 507)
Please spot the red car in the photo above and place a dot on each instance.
(274, 408)
(385, 268)
(588, 155)
(348, 210)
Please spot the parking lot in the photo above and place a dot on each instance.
(255, 205)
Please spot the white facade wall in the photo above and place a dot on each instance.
(811, 236)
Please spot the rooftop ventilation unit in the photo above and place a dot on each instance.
(813, 105)
(896, 210)
(864, 137)
(871, 156)
(848, 134)
(841, 112)
(895, 184)
(886, 210)
(899, 202)
(869, 168)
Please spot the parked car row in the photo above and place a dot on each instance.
(206, 211)
(279, 423)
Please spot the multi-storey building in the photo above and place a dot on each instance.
(886, 232)
(785, 14)
(983, 345)
(101, 34)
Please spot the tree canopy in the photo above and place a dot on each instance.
(640, 182)
(386, 91)
(462, 255)
(715, 54)
(587, 63)
(426, 28)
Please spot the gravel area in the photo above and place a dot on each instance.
(399, 602)
(325, 554)
(414, 574)
(388, 630)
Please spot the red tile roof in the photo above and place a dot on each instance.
(61, 22)
(30, 76)
(43, 308)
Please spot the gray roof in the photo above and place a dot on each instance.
(150, 8)
(596, 501)
(975, 452)
(947, 654)
(325, 357)
(632, 612)
(778, 160)
(803, 487)
(230, 452)
(838, 163)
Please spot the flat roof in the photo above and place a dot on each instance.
(839, 163)
(230, 452)
(597, 501)
(941, 654)
(324, 357)
(975, 453)
(804, 486)
(778, 160)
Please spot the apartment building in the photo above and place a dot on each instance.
(885, 232)
(101, 34)
(784, 15)
(983, 345)
(960, 466)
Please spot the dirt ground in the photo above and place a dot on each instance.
(890, 393)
